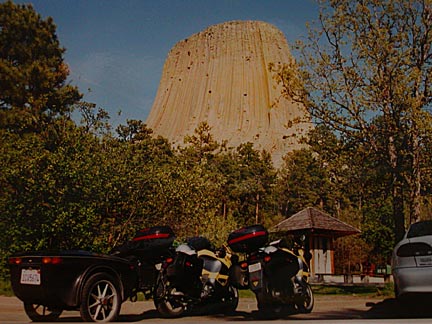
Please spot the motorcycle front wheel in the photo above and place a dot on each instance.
(308, 302)
(166, 302)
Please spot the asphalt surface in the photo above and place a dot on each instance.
(328, 309)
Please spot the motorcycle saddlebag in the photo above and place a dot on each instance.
(185, 273)
(248, 239)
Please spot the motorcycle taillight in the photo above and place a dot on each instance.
(167, 262)
(243, 265)
(267, 258)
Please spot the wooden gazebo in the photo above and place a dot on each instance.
(320, 230)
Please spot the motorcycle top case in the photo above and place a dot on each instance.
(154, 237)
(248, 239)
(149, 242)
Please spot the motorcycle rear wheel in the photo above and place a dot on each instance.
(269, 310)
(232, 301)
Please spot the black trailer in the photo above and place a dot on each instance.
(95, 284)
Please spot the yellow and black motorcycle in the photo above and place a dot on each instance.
(196, 279)
(278, 275)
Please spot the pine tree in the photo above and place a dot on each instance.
(33, 87)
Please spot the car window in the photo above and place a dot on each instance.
(420, 229)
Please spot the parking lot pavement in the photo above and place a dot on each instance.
(328, 309)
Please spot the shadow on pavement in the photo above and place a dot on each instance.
(386, 309)
(153, 314)
(410, 307)
(150, 314)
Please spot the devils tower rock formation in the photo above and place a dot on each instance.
(221, 76)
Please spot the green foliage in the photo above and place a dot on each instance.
(348, 181)
(33, 88)
(43, 189)
(6, 288)
(251, 185)
(217, 228)
(303, 182)
(186, 198)
(201, 146)
(65, 185)
(377, 231)
(365, 73)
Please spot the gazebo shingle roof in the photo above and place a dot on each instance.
(312, 220)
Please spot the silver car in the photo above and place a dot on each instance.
(412, 261)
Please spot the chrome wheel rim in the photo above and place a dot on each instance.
(103, 299)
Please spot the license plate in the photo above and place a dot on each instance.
(254, 267)
(255, 276)
(30, 277)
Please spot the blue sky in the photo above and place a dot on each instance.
(117, 48)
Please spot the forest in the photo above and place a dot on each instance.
(78, 183)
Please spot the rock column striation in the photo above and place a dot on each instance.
(221, 76)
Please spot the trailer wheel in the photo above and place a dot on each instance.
(41, 313)
(101, 300)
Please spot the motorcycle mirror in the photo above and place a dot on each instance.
(303, 238)
(234, 258)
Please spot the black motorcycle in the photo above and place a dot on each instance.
(278, 276)
(196, 279)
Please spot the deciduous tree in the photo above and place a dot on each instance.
(371, 59)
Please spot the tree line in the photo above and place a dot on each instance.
(68, 184)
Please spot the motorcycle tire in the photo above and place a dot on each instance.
(272, 312)
(164, 302)
(231, 301)
(266, 310)
(308, 303)
(269, 309)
